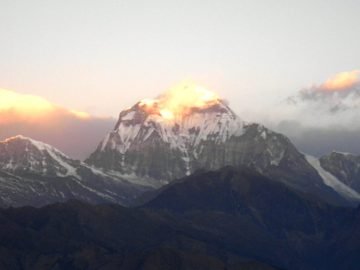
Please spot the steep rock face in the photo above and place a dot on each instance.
(345, 166)
(333, 182)
(150, 145)
(34, 173)
(147, 144)
(210, 138)
(21, 155)
(268, 152)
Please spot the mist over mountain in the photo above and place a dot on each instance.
(84, 134)
(322, 117)
(76, 133)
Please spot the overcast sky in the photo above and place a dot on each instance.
(102, 56)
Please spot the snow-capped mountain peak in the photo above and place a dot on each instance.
(190, 128)
(176, 133)
(180, 121)
(139, 123)
(23, 154)
(35, 173)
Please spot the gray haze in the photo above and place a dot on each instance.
(75, 137)
(320, 120)
(322, 140)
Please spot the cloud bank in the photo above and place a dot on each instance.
(324, 117)
(75, 133)
(318, 119)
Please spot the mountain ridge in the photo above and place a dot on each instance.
(35, 173)
(147, 143)
(157, 141)
(230, 218)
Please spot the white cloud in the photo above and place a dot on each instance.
(321, 118)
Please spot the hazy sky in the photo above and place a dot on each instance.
(103, 56)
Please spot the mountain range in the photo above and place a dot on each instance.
(168, 188)
(146, 151)
(34, 173)
(225, 219)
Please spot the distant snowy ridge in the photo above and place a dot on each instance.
(23, 153)
(332, 181)
(35, 173)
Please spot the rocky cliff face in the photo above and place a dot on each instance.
(210, 138)
(148, 144)
(34, 173)
(345, 167)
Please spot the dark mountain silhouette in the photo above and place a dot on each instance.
(225, 219)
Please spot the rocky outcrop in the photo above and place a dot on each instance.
(345, 166)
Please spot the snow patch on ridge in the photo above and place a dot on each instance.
(343, 153)
(217, 123)
(57, 156)
(331, 181)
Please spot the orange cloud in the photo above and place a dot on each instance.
(179, 100)
(74, 132)
(342, 81)
(16, 107)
